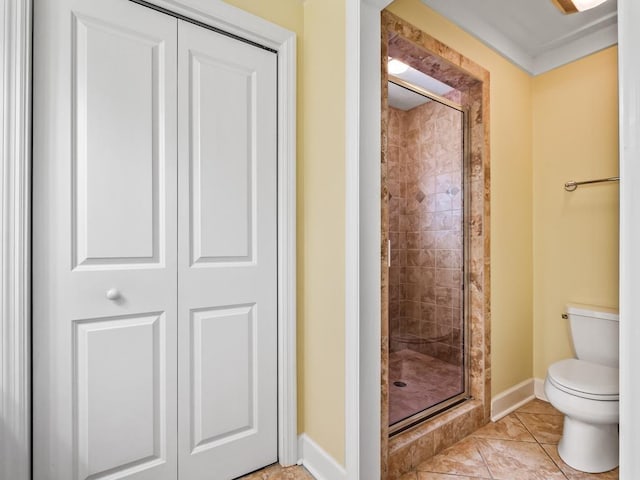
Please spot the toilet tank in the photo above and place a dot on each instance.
(594, 331)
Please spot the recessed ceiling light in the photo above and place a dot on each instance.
(574, 6)
(396, 67)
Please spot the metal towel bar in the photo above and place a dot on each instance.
(571, 185)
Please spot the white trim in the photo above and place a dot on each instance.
(582, 31)
(378, 5)
(221, 15)
(318, 462)
(362, 240)
(580, 47)
(15, 225)
(538, 389)
(15, 413)
(629, 77)
(583, 40)
(287, 287)
(511, 399)
(352, 235)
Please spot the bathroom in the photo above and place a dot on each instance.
(548, 247)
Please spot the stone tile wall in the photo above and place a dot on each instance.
(425, 159)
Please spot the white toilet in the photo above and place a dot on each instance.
(586, 391)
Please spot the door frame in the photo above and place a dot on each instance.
(629, 93)
(362, 350)
(15, 217)
(363, 240)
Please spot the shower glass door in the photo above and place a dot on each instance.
(427, 320)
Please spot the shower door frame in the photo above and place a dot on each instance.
(444, 405)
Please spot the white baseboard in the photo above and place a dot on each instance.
(318, 462)
(539, 389)
(506, 402)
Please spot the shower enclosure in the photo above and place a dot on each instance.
(427, 197)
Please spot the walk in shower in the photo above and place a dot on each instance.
(426, 168)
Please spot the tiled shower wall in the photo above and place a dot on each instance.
(425, 222)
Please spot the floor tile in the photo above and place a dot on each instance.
(538, 406)
(486, 454)
(503, 451)
(276, 472)
(545, 428)
(573, 474)
(461, 458)
(507, 428)
(508, 460)
(444, 476)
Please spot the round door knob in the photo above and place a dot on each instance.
(113, 294)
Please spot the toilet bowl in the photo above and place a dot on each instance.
(586, 393)
(585, 390)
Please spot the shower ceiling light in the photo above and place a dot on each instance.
(396, 67)
(574, 6)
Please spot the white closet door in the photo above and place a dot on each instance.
(227, 263)
(104, 245)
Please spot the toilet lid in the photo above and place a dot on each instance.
(586, 379)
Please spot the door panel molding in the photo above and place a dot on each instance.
(243, 376)
(94, 414)
(215, 235)
(103, 240)
(15, 220)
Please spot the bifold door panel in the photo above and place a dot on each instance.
(105, 212)
(154, 247)
(227, 260)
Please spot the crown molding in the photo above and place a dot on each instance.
(575, 44)
(578, 48)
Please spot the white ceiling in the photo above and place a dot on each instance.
(534, 34)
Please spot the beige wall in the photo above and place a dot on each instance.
(511, 196)
(575, 137)
(544, 131)
(288, 14)
(321, 341)
(321, 199)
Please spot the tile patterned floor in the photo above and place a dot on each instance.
(429, 381)
(521, 446)
(276, 472)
